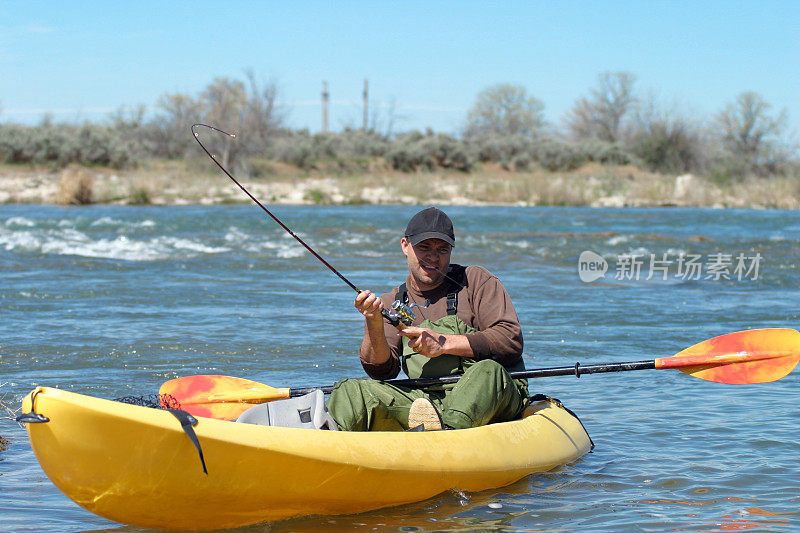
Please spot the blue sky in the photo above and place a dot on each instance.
(82, 60)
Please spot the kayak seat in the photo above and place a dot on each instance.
(307, 412)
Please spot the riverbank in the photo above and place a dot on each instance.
(184, 183)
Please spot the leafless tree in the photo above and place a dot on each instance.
(505, 109)
(245, 108)
(665, 138)
(601, 115)
(749, 130)
(176, 113)
(263, 117)
(224, 104)
(385, 117)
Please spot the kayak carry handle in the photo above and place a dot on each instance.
(33, 417)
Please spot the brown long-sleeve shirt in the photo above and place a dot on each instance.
(483, 304)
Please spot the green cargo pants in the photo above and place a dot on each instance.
(485, 393)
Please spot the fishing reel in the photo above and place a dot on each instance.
(401, 313)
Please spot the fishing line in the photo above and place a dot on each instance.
(259, 204)
(399, 312)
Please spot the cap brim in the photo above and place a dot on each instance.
(419, 237)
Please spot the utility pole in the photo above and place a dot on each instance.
(366, 100)
(325, 97)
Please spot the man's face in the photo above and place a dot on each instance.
(427, 261)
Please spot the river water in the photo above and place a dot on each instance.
(113, 301)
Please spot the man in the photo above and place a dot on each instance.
(465, 324)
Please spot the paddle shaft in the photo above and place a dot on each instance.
(743, 357)
(576, 370)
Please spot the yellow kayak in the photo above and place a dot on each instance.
(137, 465)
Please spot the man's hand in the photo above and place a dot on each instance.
(425, 341)
(432, 344)
(369, 305)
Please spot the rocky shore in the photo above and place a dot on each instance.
(177, 183)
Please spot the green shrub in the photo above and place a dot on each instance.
(139, 196)
(316, 196)
(605, 152)
(556, 155)
(359, 143)
(501, 149)
(667, 148)
(415, 151)
(357, 200)
(521, 162)
(296, 148)
(726, 169)
(60, 145)
(409, 158)
(306, 151)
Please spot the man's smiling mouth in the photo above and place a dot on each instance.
(428, 268)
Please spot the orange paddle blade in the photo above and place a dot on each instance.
(750, 356)
(222, 397)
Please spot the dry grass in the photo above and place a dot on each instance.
(200, 182)
(6, 413)
(75, 186)
(779, 193)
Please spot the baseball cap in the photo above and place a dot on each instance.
(430, 223)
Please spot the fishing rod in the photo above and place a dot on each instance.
(399, 311)
(259, 204)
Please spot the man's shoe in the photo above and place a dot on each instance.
(423, 413)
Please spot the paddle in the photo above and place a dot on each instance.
(743, 357)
